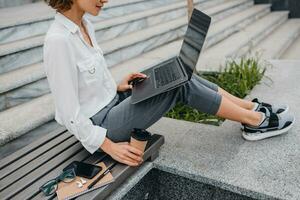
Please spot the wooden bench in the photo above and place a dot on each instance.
(23, 172)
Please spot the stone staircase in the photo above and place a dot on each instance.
(134, 35)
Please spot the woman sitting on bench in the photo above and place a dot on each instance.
(98, 111)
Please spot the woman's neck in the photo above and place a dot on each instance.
(75, 14)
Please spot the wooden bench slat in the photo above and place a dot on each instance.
(36, 163)
(39, 172)
(12, 168)
(29, 148)
(33, 192)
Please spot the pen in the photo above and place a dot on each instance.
(102, 175)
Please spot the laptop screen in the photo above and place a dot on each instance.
(193, 40)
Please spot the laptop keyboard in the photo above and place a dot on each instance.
(166, 74)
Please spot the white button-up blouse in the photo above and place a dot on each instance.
(79, 80)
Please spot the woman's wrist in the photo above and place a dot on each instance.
(106, 145)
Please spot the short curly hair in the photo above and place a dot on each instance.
(60, 5)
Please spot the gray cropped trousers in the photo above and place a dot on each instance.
(119, 117)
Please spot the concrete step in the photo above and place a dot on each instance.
(21, 50)
(12, 3)
(239, 43)
(118, 26)
(124, 7)
(33, 76)
(278, 41)
(136, 64)
(235, 22)
(23, 118)
(34, 19)
(23, 76)
(293, 52)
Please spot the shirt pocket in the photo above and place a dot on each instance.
(90, 70)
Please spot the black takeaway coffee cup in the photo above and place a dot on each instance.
(139, 138)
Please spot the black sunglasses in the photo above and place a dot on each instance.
(50, 186)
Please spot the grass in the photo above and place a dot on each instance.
(237, 78)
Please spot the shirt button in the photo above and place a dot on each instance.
(93, 70)
(72, 122)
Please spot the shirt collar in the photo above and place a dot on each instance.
(72, 27)
(69, 24)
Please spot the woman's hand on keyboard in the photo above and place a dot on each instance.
(124, 85)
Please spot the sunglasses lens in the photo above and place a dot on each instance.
(68, 175)
(49, 188)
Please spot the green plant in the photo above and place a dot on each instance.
(237, 78)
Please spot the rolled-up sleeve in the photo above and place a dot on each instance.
(61, 71)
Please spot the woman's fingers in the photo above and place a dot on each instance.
(126, 161)
(131, 156)
(134, 157)
(121, 153)
(127, 157)
(137, 74)
(135, 150)
(134, 75)
(140, 74)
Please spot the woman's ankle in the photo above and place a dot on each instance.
(252, 106)
(256, 119)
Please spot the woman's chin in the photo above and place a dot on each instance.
(94, 13)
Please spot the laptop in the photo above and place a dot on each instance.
(175, 71)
